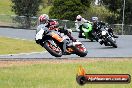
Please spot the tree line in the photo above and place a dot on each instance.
(108, 10)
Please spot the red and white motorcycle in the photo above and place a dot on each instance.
(52, 41)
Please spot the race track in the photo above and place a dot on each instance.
(94, 48)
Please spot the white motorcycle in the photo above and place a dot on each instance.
(52, 41)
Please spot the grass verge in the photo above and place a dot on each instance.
(60, 73)
(14, 46)
(5, 7)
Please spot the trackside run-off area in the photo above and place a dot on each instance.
(59, 73)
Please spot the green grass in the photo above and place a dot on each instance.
(62, 75)
(5, 12)
(5, 7)
(13, 46)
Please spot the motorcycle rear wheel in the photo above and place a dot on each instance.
(51, 51)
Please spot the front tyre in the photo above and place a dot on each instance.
(112, 42)
(53, 49)
(81, 50)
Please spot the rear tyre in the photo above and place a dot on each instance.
(48, 46)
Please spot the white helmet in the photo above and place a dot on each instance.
(94, 18)
(43, 18)
(79, 18)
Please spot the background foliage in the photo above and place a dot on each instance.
(27, 8)
(116, 6)
(68, 9)
(107, 10)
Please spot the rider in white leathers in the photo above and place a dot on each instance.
(79, 22)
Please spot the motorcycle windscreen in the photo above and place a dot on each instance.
(56, 36)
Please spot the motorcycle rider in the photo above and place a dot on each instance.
(98, 24)
(44, 21)
(79, 22)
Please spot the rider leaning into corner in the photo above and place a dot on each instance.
(97, 26)
(44, 21)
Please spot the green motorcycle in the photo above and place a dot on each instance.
(87, 31)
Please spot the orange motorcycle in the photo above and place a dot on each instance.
(52, 41)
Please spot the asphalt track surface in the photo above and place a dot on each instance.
(124, 43)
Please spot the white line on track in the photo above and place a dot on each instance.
(24, 53)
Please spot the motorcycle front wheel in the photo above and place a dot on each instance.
(112, 42)
(81, 50)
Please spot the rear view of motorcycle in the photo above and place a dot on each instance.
(106, 38)
(53, 42)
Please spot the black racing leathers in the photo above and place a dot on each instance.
(98, 25)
